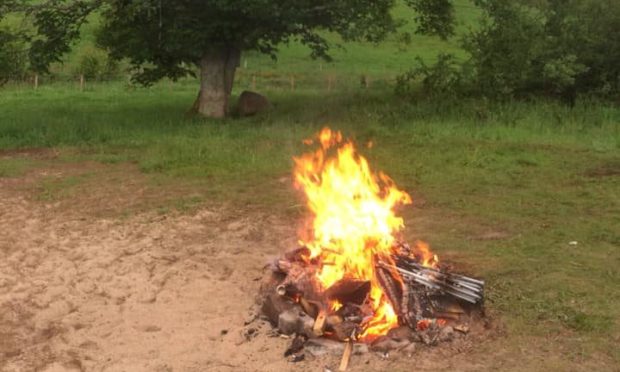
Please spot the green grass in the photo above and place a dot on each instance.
(15, 166)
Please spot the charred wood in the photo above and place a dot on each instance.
(348, 290)
(391, 287)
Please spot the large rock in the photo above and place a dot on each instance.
(252, 103)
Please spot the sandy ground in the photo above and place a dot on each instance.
(80, 291)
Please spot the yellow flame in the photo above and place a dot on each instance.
(353, 219)
(426, 257)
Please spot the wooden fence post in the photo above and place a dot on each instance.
(365, 81)
(81, 82)
(36, 81)
(330, 82)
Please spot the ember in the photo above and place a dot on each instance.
(352, 279)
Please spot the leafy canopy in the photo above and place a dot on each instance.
(165, 38)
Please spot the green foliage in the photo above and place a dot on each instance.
(57, 24)
(522, 48)
(95, 64)
(13, 55)
(434, 17)
(167, 38)
(556, 48)
(443, 79)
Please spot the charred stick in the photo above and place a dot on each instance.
(405, 303)
(387, 282)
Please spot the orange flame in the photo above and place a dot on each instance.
(353, 219)
(427, 258)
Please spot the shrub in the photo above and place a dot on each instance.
(95, 64)
(444, 78)
(558, 48)
(13, 57)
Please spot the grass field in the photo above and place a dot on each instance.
(524, 194)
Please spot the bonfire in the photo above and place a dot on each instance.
(353, 279)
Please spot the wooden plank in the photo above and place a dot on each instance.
(346, 356)
(319, 323)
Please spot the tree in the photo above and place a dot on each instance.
(169, 38)
(552, 47)
(13, 58)
(523, 48)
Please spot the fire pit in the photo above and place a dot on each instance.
(352, 281)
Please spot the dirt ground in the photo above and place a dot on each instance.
(85, 289)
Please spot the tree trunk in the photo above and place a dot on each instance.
(217, 73)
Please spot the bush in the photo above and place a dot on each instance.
(444, 78)
(95, 64)
(13, 57)
(558, 48)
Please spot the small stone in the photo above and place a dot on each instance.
(249, 333)
(462, 328)
(297, 358)
(152, 328)
(401, 333)
(446, 334)
(409, 349)
(427, 339)
(273, 305)
(288, 321)
(385, 344)
(305, 325)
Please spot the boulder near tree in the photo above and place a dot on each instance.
(252, 103)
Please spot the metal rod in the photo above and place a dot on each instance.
(437, 280)
(408, 261)
(441, 284)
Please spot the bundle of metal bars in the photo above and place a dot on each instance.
(460, 286)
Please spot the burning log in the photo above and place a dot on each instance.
(391, 287)
(348, 290)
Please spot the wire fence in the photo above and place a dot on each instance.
(245, 79)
